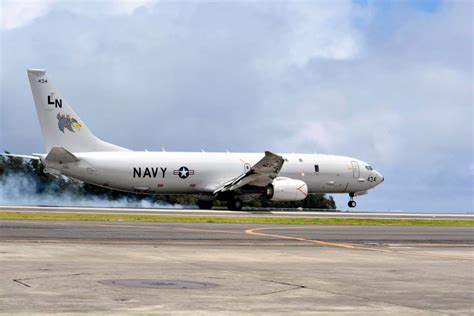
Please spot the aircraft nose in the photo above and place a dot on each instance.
(380, 177)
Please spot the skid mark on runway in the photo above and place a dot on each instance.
(294, 287)
(24, 283)
(256, 232)
(21, 282)
(291, 286)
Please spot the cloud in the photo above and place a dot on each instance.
(21, 13)
(128, 7)
(315, 30)
(392, 87)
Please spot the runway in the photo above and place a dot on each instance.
(218, 234)
(206, 268)
(221, 212)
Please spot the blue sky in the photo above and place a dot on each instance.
(387, 82)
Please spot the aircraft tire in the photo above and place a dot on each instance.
(234, 205)
(205, 204)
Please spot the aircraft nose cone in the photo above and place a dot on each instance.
(380, 177)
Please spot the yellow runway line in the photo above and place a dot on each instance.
(256, 232)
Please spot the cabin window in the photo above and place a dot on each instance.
(316, 168)
(369, 168)
(301, 160)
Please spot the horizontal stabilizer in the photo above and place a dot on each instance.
(60, 155)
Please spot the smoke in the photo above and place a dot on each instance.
(21, 189)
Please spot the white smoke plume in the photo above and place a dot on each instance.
(18, 189)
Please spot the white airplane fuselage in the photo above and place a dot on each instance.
(159, 172)
(73, 151)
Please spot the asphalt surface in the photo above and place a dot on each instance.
(132, 268)
(150, 232)
(251, 212)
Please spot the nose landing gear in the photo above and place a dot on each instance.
(351, 202)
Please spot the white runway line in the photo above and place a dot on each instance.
(119, 210)
(375, 214)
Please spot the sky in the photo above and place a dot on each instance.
(387, 82)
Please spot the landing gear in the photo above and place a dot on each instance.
(351, 202)
(205, 204)
(234, 204)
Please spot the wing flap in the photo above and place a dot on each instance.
(260, 174)
(269, 165)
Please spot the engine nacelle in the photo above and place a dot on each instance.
(286, 189)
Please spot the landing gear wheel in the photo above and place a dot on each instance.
(351, 202)
(205, 204)
(234, 205)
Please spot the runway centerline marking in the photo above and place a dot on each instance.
(256, 232)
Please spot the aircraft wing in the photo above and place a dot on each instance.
(21, 156)
(260, 175)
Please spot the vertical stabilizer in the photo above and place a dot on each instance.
(60, 125)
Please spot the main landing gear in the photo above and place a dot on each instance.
(205, 204)
(234, 204)
(351, 202)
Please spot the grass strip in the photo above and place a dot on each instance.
(232, 219)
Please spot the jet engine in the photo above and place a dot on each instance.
(286, 189)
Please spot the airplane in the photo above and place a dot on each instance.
(73, 151)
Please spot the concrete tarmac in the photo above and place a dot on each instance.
(135, 268)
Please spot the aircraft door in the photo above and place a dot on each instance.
(355, 170)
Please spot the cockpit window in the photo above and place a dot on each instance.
(369, 167)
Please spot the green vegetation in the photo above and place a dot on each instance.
(45, 186)
(7, 215)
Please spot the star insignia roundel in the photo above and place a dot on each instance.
(183, 172)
